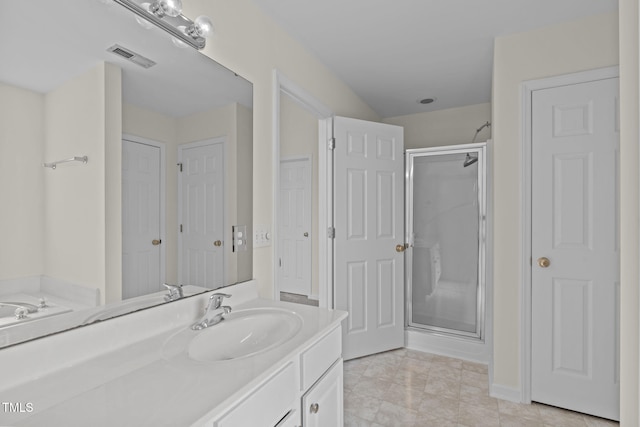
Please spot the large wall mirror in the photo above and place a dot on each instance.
(115, 176)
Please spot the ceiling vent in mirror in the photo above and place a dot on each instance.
(130, 55)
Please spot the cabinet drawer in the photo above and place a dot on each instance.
(317, 359)
(266, 405)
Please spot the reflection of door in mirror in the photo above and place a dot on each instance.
(201, 214)
(142, 233)
(294, 272)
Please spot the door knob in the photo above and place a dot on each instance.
(217, 243)
(400, 248)
(314, 408)
(156, 242)
(306, 234)
(544, 262)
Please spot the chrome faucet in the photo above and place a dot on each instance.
(175, 292)
(214, 313)
(22, 308)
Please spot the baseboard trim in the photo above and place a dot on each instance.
(447, 346)
(505, 393)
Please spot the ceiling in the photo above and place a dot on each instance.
(65, 39)
(393, 53)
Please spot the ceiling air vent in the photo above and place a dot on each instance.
(130, 55)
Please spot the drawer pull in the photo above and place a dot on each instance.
(314, 408)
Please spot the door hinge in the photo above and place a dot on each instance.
(332, 144)
(279, 262)
(181, 228)
(331, 232)
(180, 166)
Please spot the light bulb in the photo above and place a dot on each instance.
(205, 26)
(201, 27)
(161, 8)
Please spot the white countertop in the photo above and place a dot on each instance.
(137, 386)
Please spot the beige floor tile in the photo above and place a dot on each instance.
(381, 371)
(519, 410)
(409, 398)
(394, 415)
(411, 379)
(556, 417)
(475, 379)
(449, 361)
(444, 371)
(440, 407)
(475, 367)
(423, 420)
(361, 406)
(351, 420)
(418, 355)
(410, 388)
(445, 387)
(507, 420)
(372, 387)
(477, 396)
(478, 416)
(599, 422)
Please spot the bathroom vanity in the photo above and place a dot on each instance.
(151, 368)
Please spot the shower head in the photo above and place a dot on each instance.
(468, 161)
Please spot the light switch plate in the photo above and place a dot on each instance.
(261, 236)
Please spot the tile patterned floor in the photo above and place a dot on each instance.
(410, 388)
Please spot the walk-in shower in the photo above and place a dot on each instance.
(446, 228)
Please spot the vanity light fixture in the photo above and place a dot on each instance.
(167, 14)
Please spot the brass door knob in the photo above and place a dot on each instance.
(217, 243)
(156, 242)
(544, 262)
(400, 248)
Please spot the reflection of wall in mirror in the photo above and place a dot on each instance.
(234, 122)
(59, 227)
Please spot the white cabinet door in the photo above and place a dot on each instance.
(322, 406)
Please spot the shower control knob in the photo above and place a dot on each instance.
(544, 262)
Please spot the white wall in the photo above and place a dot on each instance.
(581, 45)
(75, 194)
(629, 200)
(22, 175)
(444, 127)
(252, 45)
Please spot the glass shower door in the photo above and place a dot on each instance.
(445, 226)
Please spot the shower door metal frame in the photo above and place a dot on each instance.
(481, 151)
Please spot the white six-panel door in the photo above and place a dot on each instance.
(575, 274)
(140, 219)
(369, 218)
(201, 214)
(295, 227)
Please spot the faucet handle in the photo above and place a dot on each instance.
(215, 300)
(175, 292)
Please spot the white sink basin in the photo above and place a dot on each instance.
(242, 334)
